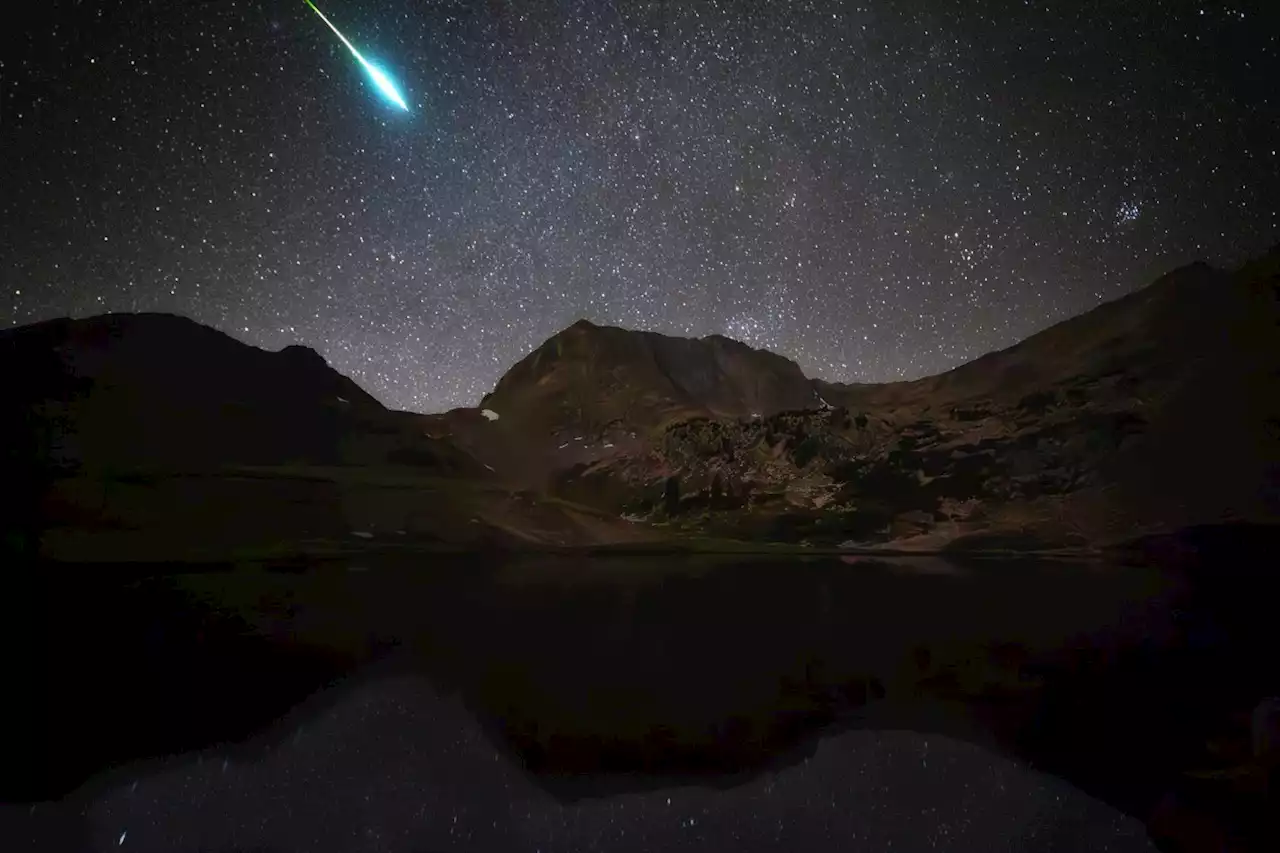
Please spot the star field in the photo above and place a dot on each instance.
(877, 190)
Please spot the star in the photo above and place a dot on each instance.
(870, 191)
(1129, 212)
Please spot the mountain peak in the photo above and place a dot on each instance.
(589, 376)
(300, 354)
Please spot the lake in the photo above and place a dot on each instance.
(509, 704)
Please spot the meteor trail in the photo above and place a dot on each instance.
(380, 79)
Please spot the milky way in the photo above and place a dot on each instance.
(878, 190)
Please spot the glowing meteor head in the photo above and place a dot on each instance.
(385, 86)
(380, 79)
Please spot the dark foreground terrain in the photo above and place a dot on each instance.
(623, 679)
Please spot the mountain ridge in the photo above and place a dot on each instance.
(1194, 271)
(151, 436)
(1101, 396)
(1148, 413)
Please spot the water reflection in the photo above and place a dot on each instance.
(612, 676)
(921, 565)
(392, 766)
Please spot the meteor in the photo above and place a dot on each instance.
(379, 77)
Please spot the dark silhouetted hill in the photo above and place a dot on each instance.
(135, 436)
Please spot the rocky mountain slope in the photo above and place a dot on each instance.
(1150, 413)
(149, 435)
(616, 386)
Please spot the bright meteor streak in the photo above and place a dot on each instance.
(380, 79)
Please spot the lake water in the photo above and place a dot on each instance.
(629, 704)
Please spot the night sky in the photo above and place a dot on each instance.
(878, 190)
(393, 767)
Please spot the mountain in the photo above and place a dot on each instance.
(616, 385)
(157, 390)
(150, 435)
(591, 377)
(1153, 412)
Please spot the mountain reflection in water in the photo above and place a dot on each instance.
(797, 704)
